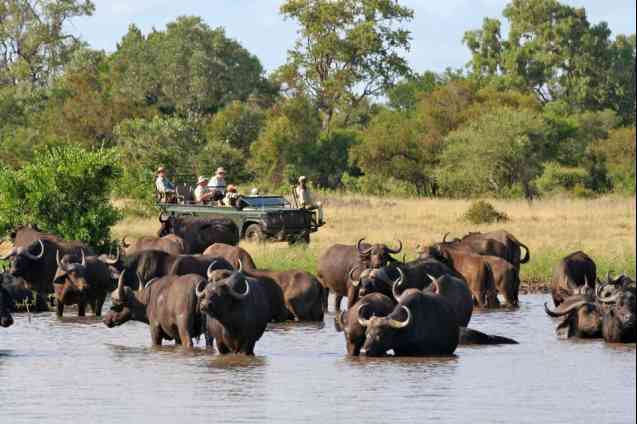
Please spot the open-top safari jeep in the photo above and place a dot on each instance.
(258, 218)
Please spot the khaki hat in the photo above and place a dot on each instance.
(302, 178)
(161, 169)
(220, 171)
(202, 180)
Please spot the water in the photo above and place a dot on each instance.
(72, 370)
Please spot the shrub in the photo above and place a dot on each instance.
(482, 212)
(557, 177)
(376, 185)
(65, 191)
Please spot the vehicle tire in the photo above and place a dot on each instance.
(254, 234)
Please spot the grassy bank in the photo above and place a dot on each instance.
(604, 228)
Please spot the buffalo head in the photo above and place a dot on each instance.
(374, 281)
(579, 318)
(71, 275)
(125, 303)
(620, 316)
(223, 289)
(377, 255)
(23, 258)
(382, 331)
(166, 225)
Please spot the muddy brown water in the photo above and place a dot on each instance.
(77, 370)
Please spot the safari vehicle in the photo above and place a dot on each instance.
(259, 218)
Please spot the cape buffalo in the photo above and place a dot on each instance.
(421, 324)
(168, 304)
(506, 278)
(303, 293)
(570, 274)
(579, 317)
(6, 305)
(23, 299)
(33, 257)
(498, 243)
(146, 265)
(620, 315)
(335, 264)
(374, 304)
(199, 233)
(456, 292)
(81, 283)
(198, 264)
(469, 336)
(232, 254)
(169, 243)
(476, 271)
(239, 308)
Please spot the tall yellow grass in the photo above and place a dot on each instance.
(604, 228)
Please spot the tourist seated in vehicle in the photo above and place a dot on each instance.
(166, 192)
(218, 182)
(306, 200)
(232, 197)
(203, 194)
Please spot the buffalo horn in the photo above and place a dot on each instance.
(397, 283)
(210, 269)
(398, 250)
(119, 291)
(400, 324)
(124, 244)
(38, 256)
(362, 321)
(444, 238)
(83, 258)
(361, 250)
(201, 288)
(114, 261)
(237, 295)
(610, 299)
(240, 266)
(561, 312)
(57, 258)
(355, 283)
(434, 284)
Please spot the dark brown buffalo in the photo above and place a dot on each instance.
(498, 243)
(274, 291)
(146, 265)
(238, 310)
(303, 293)
(335, 264)
(168, 304)
(82, 283)
(6, 304)
(33, 257)
(506, 278)
(170, 243)
(456, 292)
(476, 271)
(198, 264)
(374, 304)
(232, 254)
(23, 299)
(469, 336)
(579, 317)
(574, 272)
(199, 233)
(620, 314)
(421, 324)
(413, 275)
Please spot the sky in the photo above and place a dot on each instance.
(437, 28)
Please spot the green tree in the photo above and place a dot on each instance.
(501, 152)
(617, 156)
(237, 125)
(34, 41)
(65, 191)
(347, 51)
(405, 94)
(553, 50)
(287, 146)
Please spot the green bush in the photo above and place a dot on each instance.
(376, 185)
(482, 212)
(65, 191)
(557, 178)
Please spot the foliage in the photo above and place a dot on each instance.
(500, 153)
(237, 125)
(405, 94)
(34, 42)
(482, 212)
(557, 178)
(553, 50)
(618, 154)
(65, 191)
(347, 51)
(376, 185)
(287, 146)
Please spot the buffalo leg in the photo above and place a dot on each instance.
(222, 348)
(155, 335)
(97, 307)
(59, 308)
(248, 348)
(338, 299)
(81, 309)
(184, 335)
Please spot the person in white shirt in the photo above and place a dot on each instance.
(202, 193)
(306, 200)
(218, 182)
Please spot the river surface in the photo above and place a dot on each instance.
(77, 370)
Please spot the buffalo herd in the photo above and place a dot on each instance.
(192, 280)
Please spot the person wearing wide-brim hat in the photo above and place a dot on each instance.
(165, 188)
(218, 182)
(306, 200)
(202, 193)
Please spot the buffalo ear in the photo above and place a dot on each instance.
(565, 328)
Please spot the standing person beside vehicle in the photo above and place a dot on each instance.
(306, 200)
(165, 189)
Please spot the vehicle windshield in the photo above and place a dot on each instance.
(266, 201)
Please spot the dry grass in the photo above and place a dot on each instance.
(604, 228)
